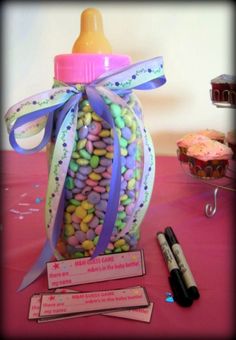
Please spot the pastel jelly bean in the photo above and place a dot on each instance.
(102, 205)
(81, 144)
(100, 169)
(81, 161)
(104, 182)
(80, 235)
(129, 209)
(108, 140)
(87, 118)
(92, 137)
(88, 244)
(91, 183)
(100, 214)
(130, 162)
(83, 132)
(90, 234)
(96, 117)
(84, 227)
(128, 174)
(67, 218)
(80, 197)
(80, 212)
(95, 128)
(85, 154)
(86, 205)
(95, 240)
(89, 146)
(69, 230)
(89, 176)
(74, 166)
(106, 174)
(78, 183)
(126, 133)
(94, 176)
(85, 170)
(86, 189)
(100, 145)
(94, 161)
(109, 155)
(105, 161)
(80, 176)
(75, 202)
(88, 218)
(131, 184)
(69, 183)
(99, 152)
(98, 229)
(123, 142)
(104, 133)
(70, 208)
(94, 222)
(94, 197)
(115, 110)
(99, 189)
(119, 122)
(75, 218)
(72, 240)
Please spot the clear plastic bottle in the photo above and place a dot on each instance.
(90, 169)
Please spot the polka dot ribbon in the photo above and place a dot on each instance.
(60, 105)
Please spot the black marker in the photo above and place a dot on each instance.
(176, 281)
(182, 262)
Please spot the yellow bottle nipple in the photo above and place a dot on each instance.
(91, 38)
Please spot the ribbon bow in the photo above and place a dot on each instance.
(55, 111)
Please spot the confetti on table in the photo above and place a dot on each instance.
(169, 298)
(38, 200)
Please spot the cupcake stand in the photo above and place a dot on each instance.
(221, 99)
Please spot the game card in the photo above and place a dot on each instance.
(139, 314)
(86, 270)
(71, 303)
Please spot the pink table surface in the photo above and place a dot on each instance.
(178, 200)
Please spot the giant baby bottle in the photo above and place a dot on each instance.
(110, 176)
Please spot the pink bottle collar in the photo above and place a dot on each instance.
(85, 68)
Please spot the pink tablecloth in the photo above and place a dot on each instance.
(178, 200)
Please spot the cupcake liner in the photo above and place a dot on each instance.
(207, 169)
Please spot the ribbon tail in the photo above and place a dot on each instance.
(113, 201)
(53, 222)
(38, 268)
(101, 109)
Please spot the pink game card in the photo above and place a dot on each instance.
(138, 314)
(104, 267)
(71, 303)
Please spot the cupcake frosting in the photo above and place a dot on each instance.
(212, 134)
(209, 150)
(190, 139)
(231, 137)
(224, 79)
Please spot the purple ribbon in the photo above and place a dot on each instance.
(116, 81)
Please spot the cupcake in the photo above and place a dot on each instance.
(223, 89)
(209, 159)
(185, 142)
(213, 134)
(231, 141)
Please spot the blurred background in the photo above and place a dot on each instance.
(195, 40)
